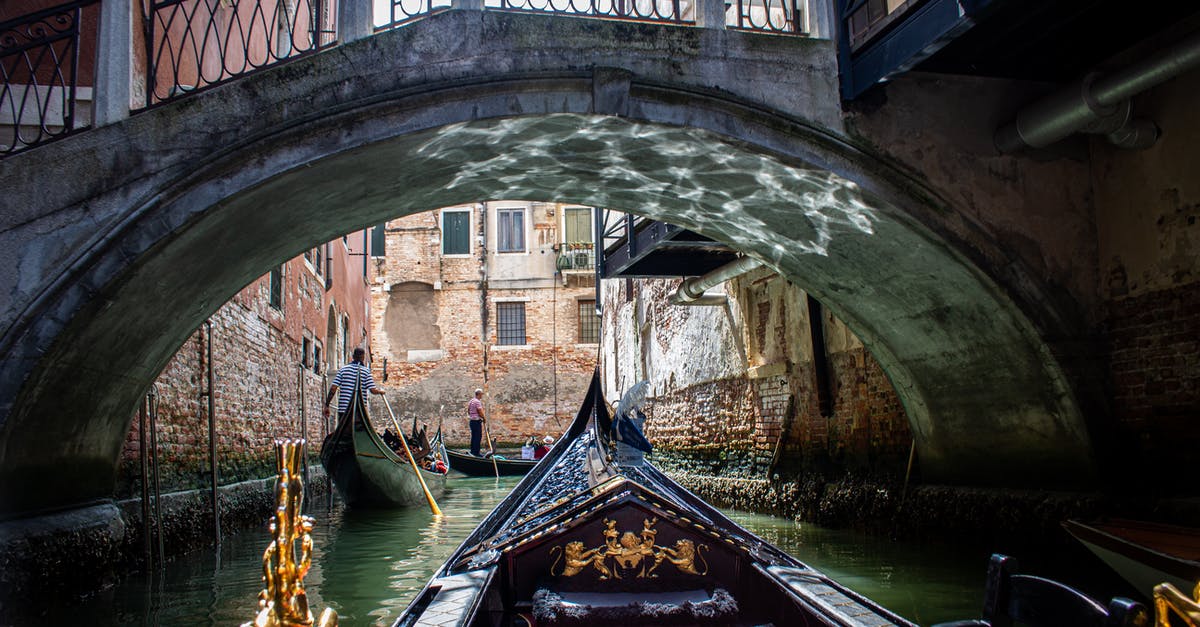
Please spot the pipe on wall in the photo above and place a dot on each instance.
(212, 434)
(692, 291)
(1099, 104)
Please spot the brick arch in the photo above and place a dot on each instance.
(874, 245)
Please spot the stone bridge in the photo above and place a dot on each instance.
(121, 240)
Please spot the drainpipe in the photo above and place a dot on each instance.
(691, 291)
(212, 435)
(1099, 104)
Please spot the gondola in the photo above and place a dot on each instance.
(467, 463)
(367, 472)
(1144, 553)
(595, 535)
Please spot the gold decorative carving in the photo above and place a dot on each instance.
(1168, 598)
(283, 603)
(628, 551)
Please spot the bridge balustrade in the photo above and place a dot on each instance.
(54, 59)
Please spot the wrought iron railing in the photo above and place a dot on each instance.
(193, 44)
(773, 16)
(404, 11)
(41, 68)
(673, 11)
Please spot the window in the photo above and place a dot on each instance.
(317, 359)
(510, 224)
(304, 351)
(276, 295)
(456, 232)
(577, 225)
(510, 329)
(589, 322)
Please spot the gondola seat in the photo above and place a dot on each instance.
(686, 607)
(1010, 598)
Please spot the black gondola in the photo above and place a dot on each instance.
(595, 534)
(467, 463)
(366, 471)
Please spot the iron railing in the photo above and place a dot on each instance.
(772, 16)
(673, 11)
(41, 68)
(193, 44)
(404, 11)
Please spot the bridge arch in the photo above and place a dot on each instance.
(874, 244)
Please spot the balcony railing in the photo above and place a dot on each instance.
(40, 62)
(52, 62)
(197, 43)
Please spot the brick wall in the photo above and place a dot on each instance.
(1155, 342)
(258, 378)
(531, 389)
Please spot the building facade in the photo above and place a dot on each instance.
(498, 296)
(267, 356)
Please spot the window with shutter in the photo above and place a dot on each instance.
(456, 232)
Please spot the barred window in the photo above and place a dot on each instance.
(589, 322)
(511, 224)
(510, 324)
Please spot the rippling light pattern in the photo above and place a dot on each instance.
(684, 176)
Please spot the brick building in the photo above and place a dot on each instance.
(494, 295)
(269, 351)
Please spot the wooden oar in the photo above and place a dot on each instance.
(492, 448)
(433, 506)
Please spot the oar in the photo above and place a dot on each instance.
(488, 432)
(404, 441)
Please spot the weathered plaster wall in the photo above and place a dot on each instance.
(733, 388)
(1148, 222)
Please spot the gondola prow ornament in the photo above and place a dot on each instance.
(283, 602)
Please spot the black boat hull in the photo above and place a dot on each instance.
(482, 466)
(366, 472)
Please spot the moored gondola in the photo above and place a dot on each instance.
(597, 535)
(469, 464)
(367, 472)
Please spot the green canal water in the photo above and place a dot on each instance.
(368, 564)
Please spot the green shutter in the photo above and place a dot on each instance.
(577, 225)
(378, 240)
(456, 236)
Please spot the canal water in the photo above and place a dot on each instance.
(368, 564)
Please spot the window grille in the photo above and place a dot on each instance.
(510, 324)
(456, 233)
(589, 323)
(511, 227)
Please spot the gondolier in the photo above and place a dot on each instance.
(349, 374)
(475, 419)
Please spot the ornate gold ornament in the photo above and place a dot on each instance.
(283, 603)
(628, 551)
(1168, 598)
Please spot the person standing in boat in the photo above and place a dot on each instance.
(345, 379)
(475, 419)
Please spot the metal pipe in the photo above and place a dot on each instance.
(692, 291)
(1100, 104)
(212, 436)
(303, 427)
(147, 554)
(152, 400)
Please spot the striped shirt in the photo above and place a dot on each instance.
(474, 408)
(345, 381)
